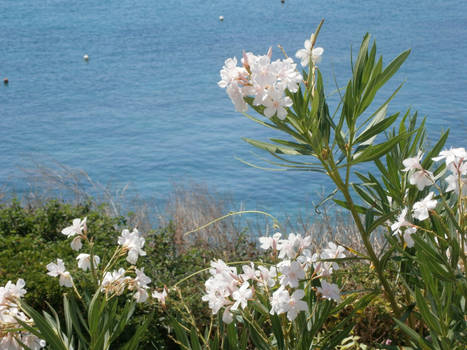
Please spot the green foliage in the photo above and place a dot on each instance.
(98, 330)
(30, 238)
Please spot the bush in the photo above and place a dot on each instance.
(30, 238)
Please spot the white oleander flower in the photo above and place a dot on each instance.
(293, 245)
(227, 316)
(266, 277)
(84, 261)
(11, 291)
(408, 232)
(307, 54)
(421, 208)
(134, 243)
(58, 270)
(230, 73)
(329, 291)
(453, 156)
(114, 282)
(278, 300)
(76, 243)
(333, 251)
(276, 103)
(418, 176)
(295, 305)
(270, 242)
(291, 273)
(76, 228)
(241, 296)
(32, 342)
(249, 272)
(282, 302)
(140, 284)
(160, 296)
(286, 73)
(400, 222)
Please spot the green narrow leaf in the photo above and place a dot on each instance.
(272, 148)
(392, 68)
(376, 128)
(277, 331)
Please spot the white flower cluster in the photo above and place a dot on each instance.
(10, 329)
(229, 290)
(78, 229)
(456, 164)
(113, 282)
(263, 80)
(133, 242)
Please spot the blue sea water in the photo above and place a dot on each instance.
(145, 110)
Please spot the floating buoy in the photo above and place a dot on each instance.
(5, 81)
(86, 57)
(283, 1)
(221, 18)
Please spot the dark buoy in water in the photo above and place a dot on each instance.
(5, 81)
(221, 18)
(86, 58)
(283, 1)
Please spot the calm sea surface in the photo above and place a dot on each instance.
(146, 110)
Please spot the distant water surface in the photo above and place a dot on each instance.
(146, 110)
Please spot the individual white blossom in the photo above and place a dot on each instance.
(11, 292)
(278, 300)
(329, 291)
(249, 272)
(114, 282)
(270, 242)
(286, 73)
(309, 259)
(333, 251)
(76, 243)
(291, 273)
(293, 245)
(408, 232)
(421, 208)
(307, 54)
(236, 96)
(227, 316)
(282, 302)
(160, 296)
(276, 103)
(452, 157)
(400, 222)
(76, 228)
(454, 181)
(230, 73)
(140, 285)
(84, 261)
(266, 277)
(295, 305)
(417, 175)
(32, 342)
(241, 296)
(58, 270)
(134, 243)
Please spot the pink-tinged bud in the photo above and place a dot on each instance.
(246, 65)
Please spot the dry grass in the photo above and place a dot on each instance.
(189, 207)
